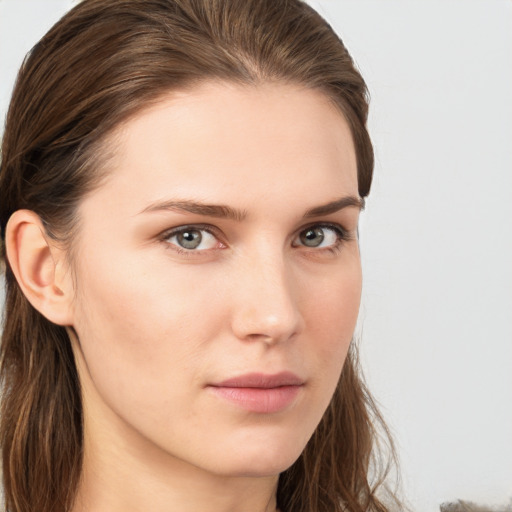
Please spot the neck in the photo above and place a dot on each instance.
(123, 489)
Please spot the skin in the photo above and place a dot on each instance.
(157, 324)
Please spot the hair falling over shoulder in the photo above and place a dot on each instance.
(101, 63)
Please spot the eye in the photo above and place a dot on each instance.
(320, 236)
(192, 238)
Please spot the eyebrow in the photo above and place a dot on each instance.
(335, 206)
(227, 212)
(208, 210)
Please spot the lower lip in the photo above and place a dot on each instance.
(261, 400)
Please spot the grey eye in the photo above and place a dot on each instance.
(192, 238)
(189, 239)
(312, 237)
(319, 237)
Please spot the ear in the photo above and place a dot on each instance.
(39, 267)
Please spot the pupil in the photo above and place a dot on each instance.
(190, 239)
(313, 237)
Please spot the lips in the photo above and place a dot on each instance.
(259, 392)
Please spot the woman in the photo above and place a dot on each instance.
(181, 183)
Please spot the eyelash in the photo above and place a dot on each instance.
(342, 235)
(183, 229)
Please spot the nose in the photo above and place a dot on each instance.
(265, 306)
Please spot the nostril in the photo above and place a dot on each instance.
(265, 338)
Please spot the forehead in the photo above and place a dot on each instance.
(228, 143)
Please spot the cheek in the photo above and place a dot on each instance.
(332, 318)
(332, 313)
(142, 329)
(134, 294)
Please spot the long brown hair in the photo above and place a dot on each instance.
(101, 63)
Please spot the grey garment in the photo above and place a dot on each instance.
(468, 506)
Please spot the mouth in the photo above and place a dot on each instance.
(259, 392)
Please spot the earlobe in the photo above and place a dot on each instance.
(34, 262)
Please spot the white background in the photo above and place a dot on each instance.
(436, 321)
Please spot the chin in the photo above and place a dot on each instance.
(260, 459)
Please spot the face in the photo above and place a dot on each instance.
(218, 277)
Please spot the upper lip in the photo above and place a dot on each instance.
(261, 380)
